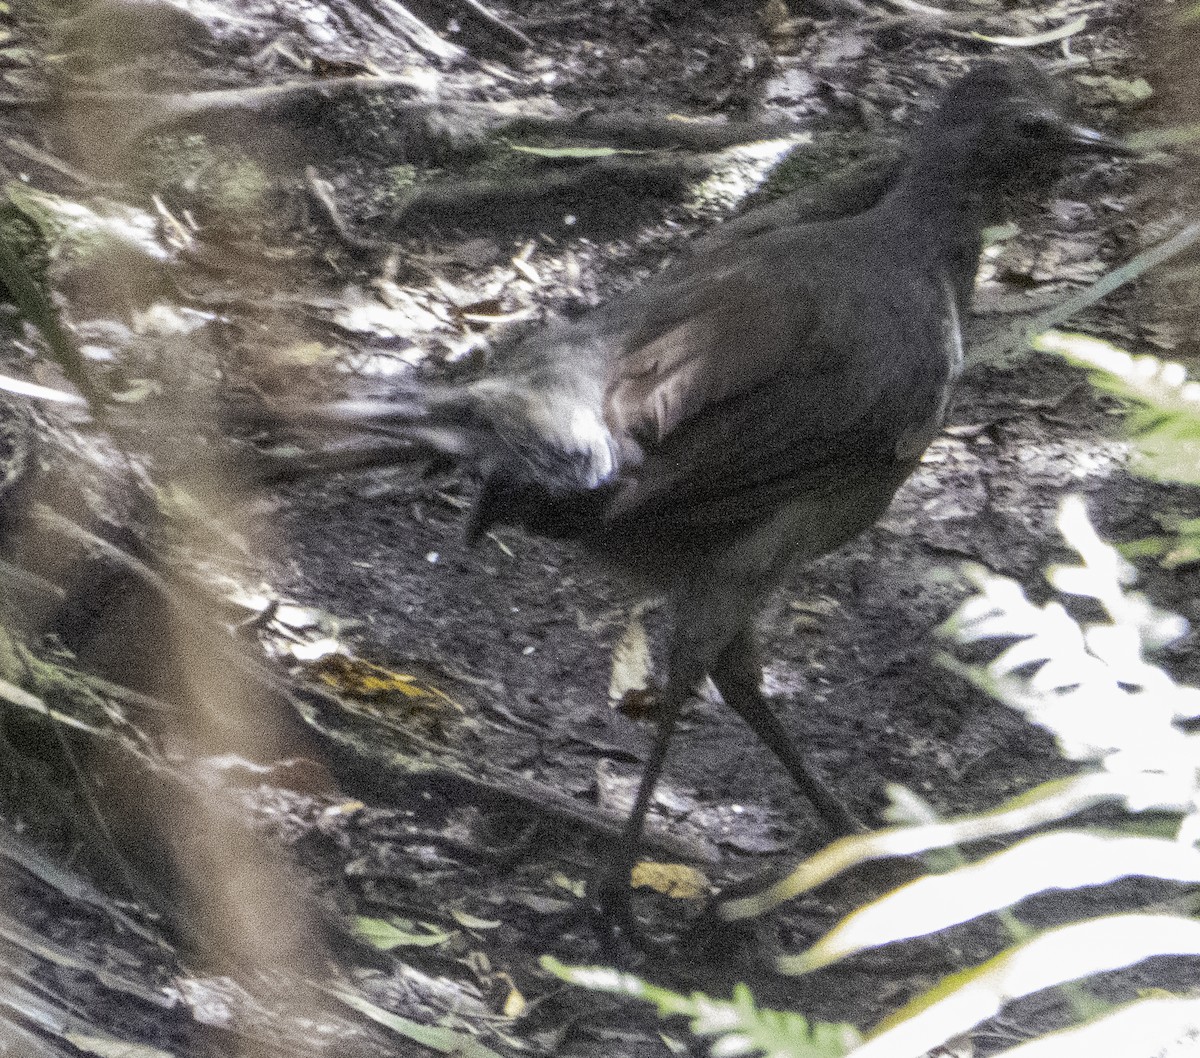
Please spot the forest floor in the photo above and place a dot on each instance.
(343, 249)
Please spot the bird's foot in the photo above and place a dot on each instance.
(607, 911)
(610, 899)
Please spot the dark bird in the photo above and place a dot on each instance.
(750, 409)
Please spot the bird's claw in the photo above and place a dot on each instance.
(607, 910)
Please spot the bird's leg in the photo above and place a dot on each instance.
(737, 673)
(609, 889)
(701, 631)
(738, 676)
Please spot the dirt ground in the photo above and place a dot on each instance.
(519, 632)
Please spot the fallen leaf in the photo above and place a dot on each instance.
(1035, 40)
(324, 66)
(676, 880)
(471, 922)
(571, 152)
(436, 1037)
(363, 679)
(631, 662)
(105, 1047)
(576, 889)
(400, 933)
(514, 1002)
(304, 354)
(139, 389)
(1124, 92)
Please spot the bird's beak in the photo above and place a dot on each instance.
(1088, 141)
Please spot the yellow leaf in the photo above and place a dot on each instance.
(514, 1003)
(363, 679)
(676, 880)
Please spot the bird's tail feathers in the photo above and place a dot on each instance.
(440, 421)
(371, 414)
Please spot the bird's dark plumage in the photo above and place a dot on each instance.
(755, 406)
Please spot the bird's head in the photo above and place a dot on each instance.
(1005, 118)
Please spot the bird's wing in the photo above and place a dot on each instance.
(703, 339)
(750, 406)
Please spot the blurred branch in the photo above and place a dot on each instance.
(997, 347)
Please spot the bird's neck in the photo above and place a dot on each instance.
(947, 203)
(942, 216)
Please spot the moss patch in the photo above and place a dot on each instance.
(208, 177)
